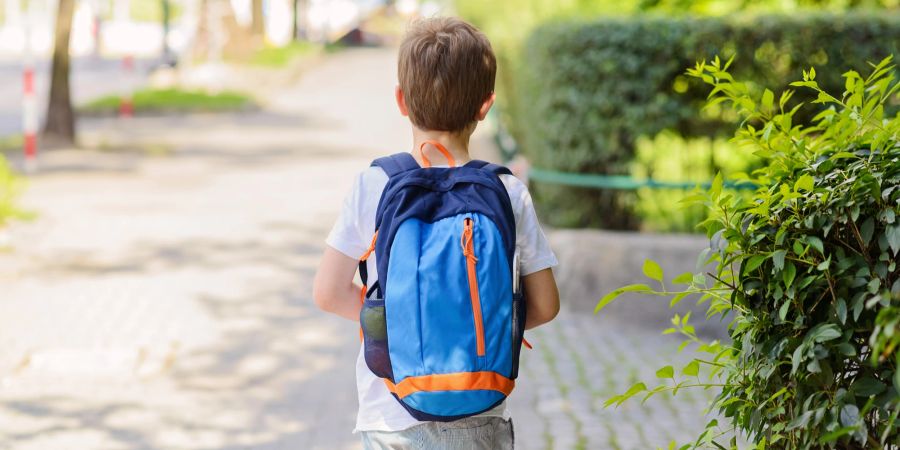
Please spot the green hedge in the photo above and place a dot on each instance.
(589, 90)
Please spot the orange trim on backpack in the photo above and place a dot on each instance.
(527, 344)
(441, 148)
(371, 248)
(462, 381)
(468, 249)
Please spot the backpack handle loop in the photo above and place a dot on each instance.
(426, 162)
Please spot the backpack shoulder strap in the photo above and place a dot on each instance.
(496, 169)
(396, 164)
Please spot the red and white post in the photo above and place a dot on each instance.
(126, 102)
(29, 101)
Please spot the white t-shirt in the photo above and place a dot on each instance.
(351, 235)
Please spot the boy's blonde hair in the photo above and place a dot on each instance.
(447, 70)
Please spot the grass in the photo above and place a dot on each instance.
(279, 57)
(172, 100)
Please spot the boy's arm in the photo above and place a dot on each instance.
(333, 289)
(541, 298)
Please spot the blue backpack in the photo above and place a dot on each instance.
(446, 328)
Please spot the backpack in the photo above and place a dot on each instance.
(446, 327)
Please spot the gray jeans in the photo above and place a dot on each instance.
(471, 433)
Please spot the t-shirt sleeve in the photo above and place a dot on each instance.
(535, 253)
(346, 235)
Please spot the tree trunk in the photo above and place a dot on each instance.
(257, 25)
(166, 13)
(295, 19)
(303, 20)
(60, 126)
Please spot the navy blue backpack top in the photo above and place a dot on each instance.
(443, 325)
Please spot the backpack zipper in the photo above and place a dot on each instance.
(468, 249)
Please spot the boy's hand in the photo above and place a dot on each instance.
(333, 289)
(541, 298)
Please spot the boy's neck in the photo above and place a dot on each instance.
(456, 143)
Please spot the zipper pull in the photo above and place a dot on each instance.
(465, 240)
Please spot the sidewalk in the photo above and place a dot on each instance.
(163, 300)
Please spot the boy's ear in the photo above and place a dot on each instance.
(486, 106)
(401, 102)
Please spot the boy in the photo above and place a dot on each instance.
(446, 83)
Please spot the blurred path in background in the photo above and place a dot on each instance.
(162, 299)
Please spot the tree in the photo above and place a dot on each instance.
(257, 25)
(300, 23)
(60, 125)
(166, 16)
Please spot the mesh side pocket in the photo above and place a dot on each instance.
(374, 326)
(518, 330)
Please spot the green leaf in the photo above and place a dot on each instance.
(797, 358)
(783, 310)
(616, 293)
(840, 309)
(678, 298)
(823, 333)
(846, 349)
(715, 190)
(893, 237)
(652, 270)
(631, 392)
(800, 421)
(849, 415)
(692, 369)
(789, 273)
(804, 183)
(867, 386)
(817, 244)
(779, 235)
(768, 99)
(897, 373)
(798, 249)
(684, 278)
(666, 372)
(834, 435)
(699, 279)
(867, 230)
(778, 259)
(754, 262)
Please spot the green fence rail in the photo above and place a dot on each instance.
(509, 149)
(621, 182)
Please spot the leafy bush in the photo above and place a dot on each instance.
(590, 91)
(806, 271)
(669, 157)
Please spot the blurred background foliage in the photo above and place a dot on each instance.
(596, 86)
(170, 101)
(11, 187)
